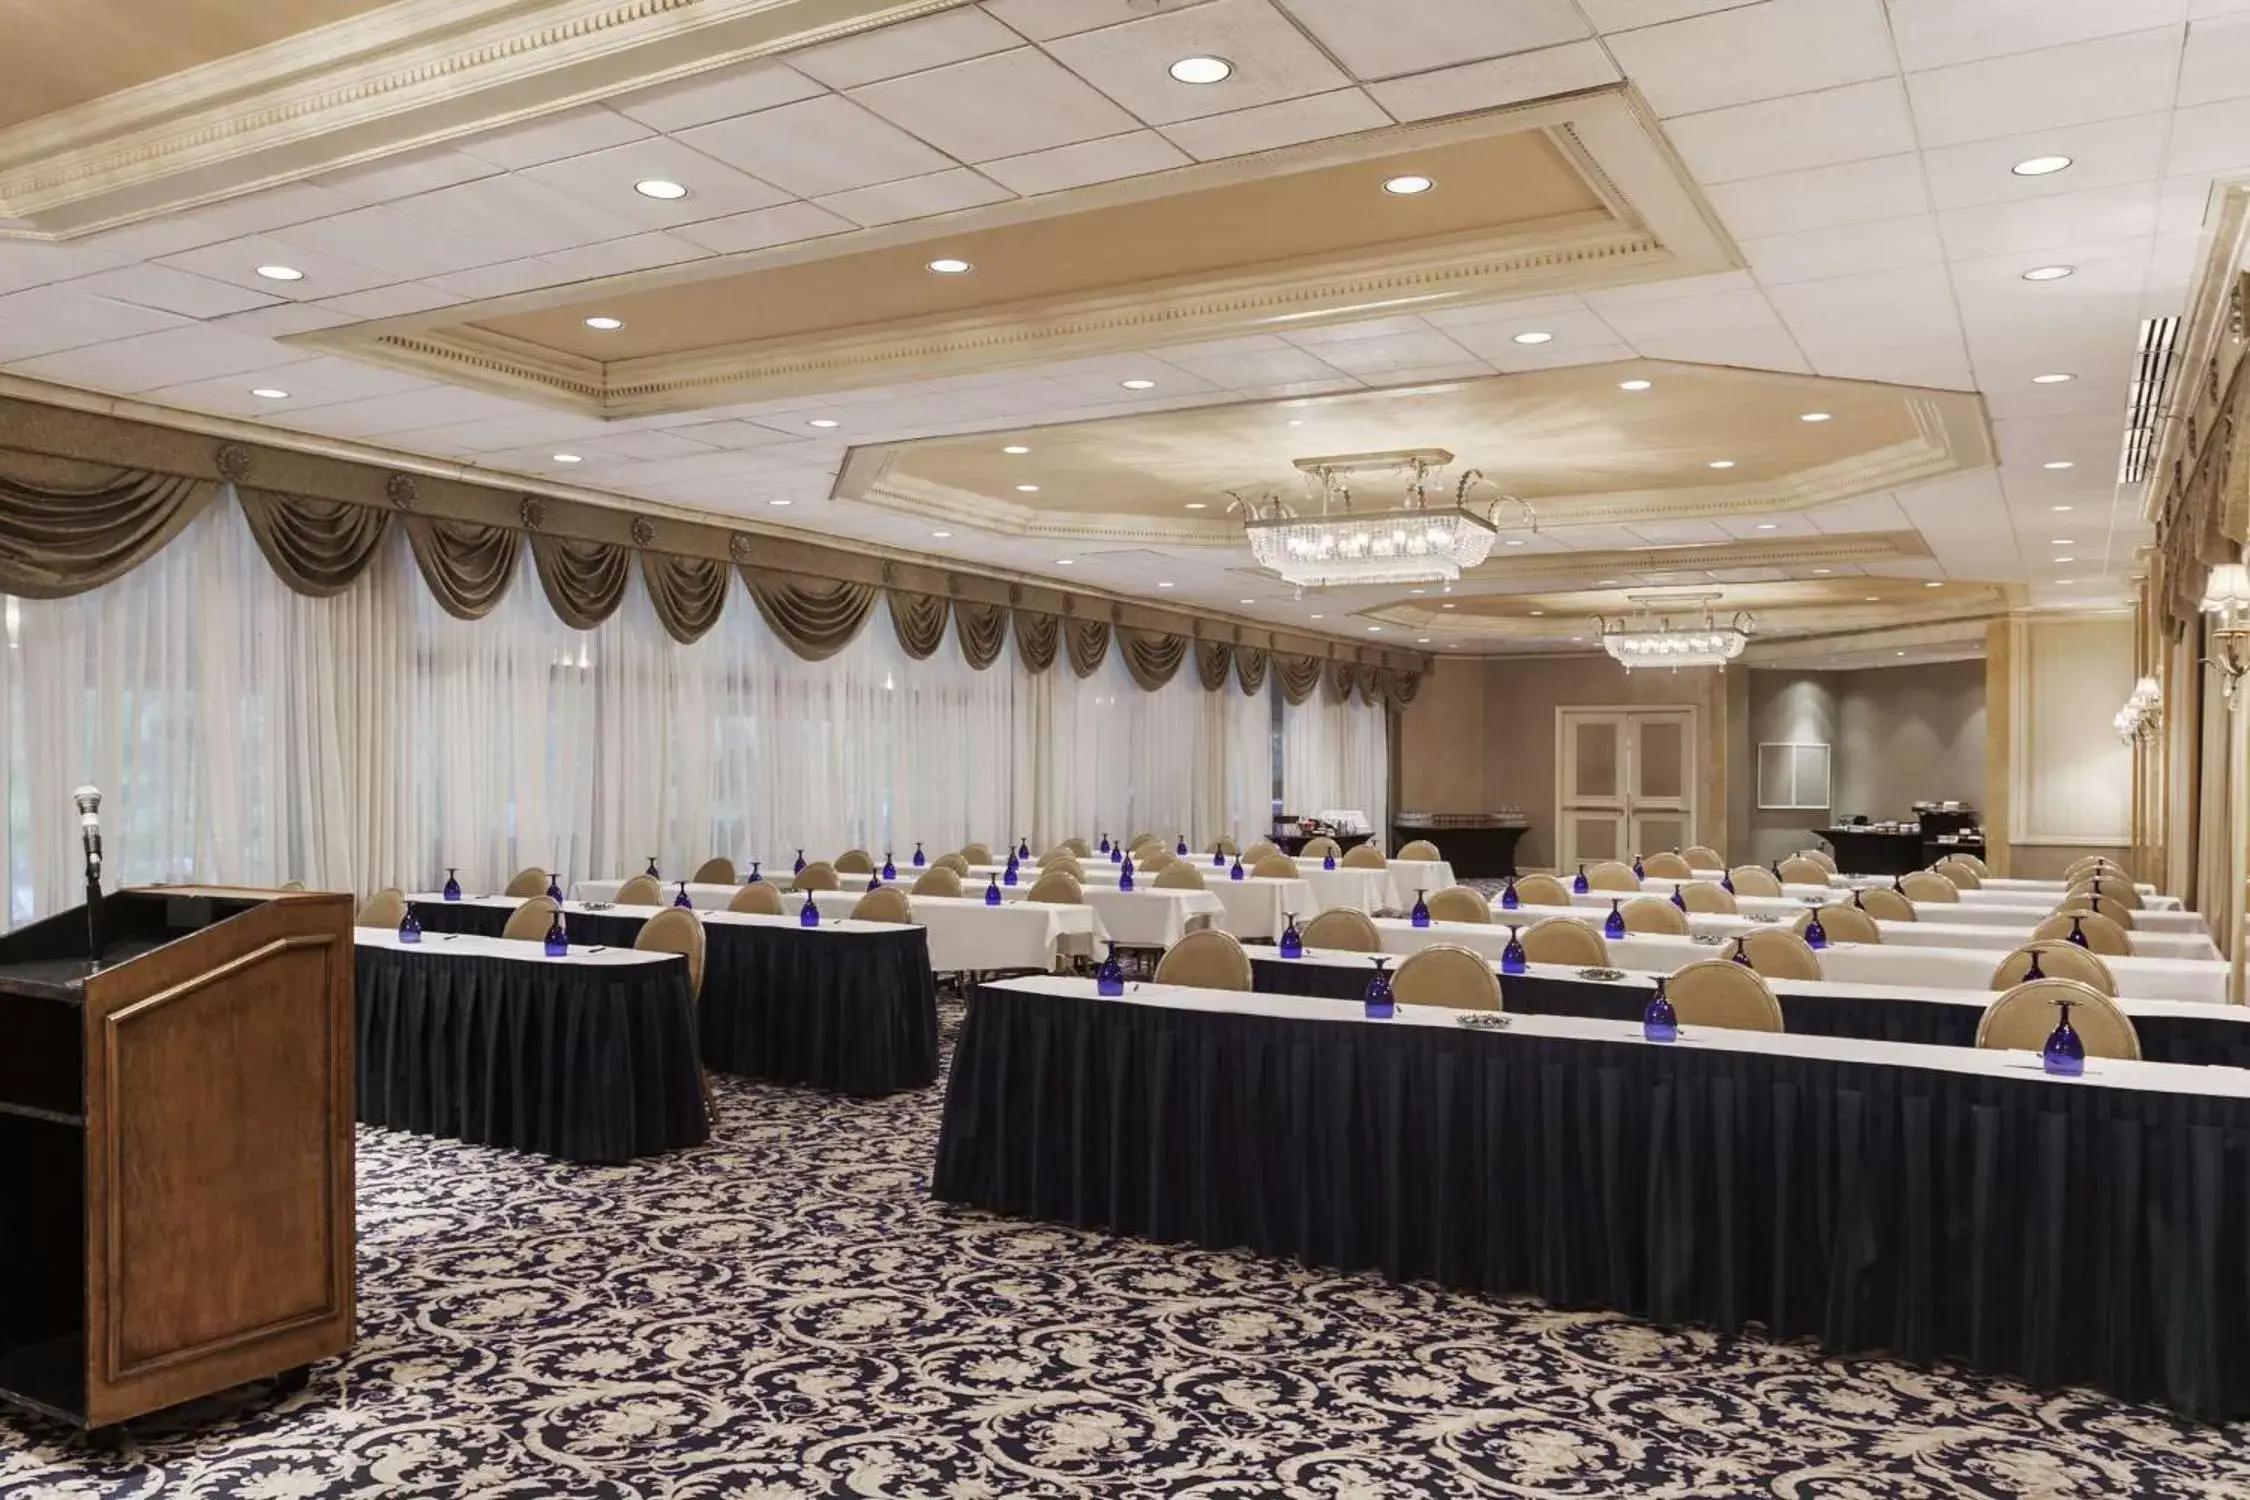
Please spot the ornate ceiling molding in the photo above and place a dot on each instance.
(408, 75)
(1840, 617)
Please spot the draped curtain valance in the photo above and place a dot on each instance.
(68, 527)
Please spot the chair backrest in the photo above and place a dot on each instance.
(953, 862)
(1259, 850)
(2091, 864)
(1059, 888)
(1225, 846)
(1421, 849)
(2102, 935)
(386, 908)
(1820, 857)
(884, 904)
(820, 875)
(1067, 863)
(1560, 940)
(2057, 960)
(717, 870)
(1179, 875)
(1155, 861)
(641, 890)
(1211, 959)
(1448, 975)
(939, 880)
(1720, 992)
(1703, 857)
(1960, 874)
(1668, 866)
(1542, 890)
(1322, 847)
(2123, 892)
(527, 883)
(1754, 880)
(1778, 953)
(1843, 924)
(1655, 914)
(1703, 895)
(1459, 903)
(1612, 875)
(2109, 906)
(855, 862)
(762, 899)
(1928, 887)
(2021, 1019)
(1149, 849)
(1799, 869)
(1364, 857)
(1275, 866)
(1974, 863)
(530, 921)
(1079, 847)
(976, 854)
(1345, 927)
(674, 930)
(1140, 841)
(1886, 905)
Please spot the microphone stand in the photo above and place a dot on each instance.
(89, 804)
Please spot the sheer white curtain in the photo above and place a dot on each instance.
(1335, 755)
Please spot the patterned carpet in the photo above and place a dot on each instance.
(785, 1314)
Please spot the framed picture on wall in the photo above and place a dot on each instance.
(1792, 775)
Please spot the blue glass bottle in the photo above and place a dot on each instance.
(1513, 960)
(1218, 857)
(753, 877)
(800, 866)
(410, 927)
(920, 859)
(874, 880)
(1858, 898)
(1659, 1021)
(1378, 998)
(682, 898)
(1816, 936)
(1638, 872)
(1292, 944)
(1104, 845)
(1009, 874)
(890, 871)
(1741, 954)
(1777, 875)
(1109, 979)
(1235, 871)
(1117, 854)
(452, 884)
(1581, 885)
(2077, 933)
(1726, 882)
(992, 892)
(1328, 861)
(1023, 848)
(1613, 925)
(2064, 1055)
(808, 915)
(554, 886)
(1509, 900)
(2032, 970)
(650, 872)
(1125, 874)
(1420, 916)
(1679, 897)
(558, 936)
(1180, 848)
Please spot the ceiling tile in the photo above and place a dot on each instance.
(503, 280)
(237, 261)
(1852, 123)
(502, 218)
(1001, 105)
(1494, 340)
(1871, 310)
(825, 145)
(283, 319)
(170, 356)
(1313, 118)
(2062, 219)
(1411, 36)
(766, 227)
(604, 179)
(1278, 364)
(735, 435)
(46, 320)
(2217, 63)
(1624, 15)
(916, 197)
(637, 252)
(2210, 139)
(1391, 352)
(396, 301)
(1520, 310)
(573, 132)
(1272, 60)
(172, 291)
(274, 208)
(1667, 289)
(2103, 154)
(1845, 250)
(406, 174)
(1635, 321)
(906, 47)
(1041, 19)
(2068, 85)
(1755, 52)
(391, 242)
(409, 410)
(1766, 346)
(1063, 167)
(487, 429)
(1498, 81)
(1939, 33)
(1859, 192)
(718, 95)
(1514, 358)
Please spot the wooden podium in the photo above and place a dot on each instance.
(176, 1124)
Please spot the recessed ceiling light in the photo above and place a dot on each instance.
(1721, 463)
(1407, 185)
(1603, 583)
(1015, 448)
(821, 422)
(2060, 463)
(568, 458)
(2066, 580)
(1296, 421)
(1515, 541)
(2055, 379)
(1872, 599)
(269, 393)
(1769, 525)
(1447, 606)
(1417, 591)
(1138, 385)
(1634, 385)
(281, 273)
(949, 265)
(2064, 541)
(1823, 571)
(1814, 416)
(1374, 630)
(659, 187)
(1421, 640)
(2066, 559)
(1902, 653)
(2039, 166)
(1934, 583)
(1201, 70)
(2058, 509)
(1164, 585)
(1535, 338)
(1320, 617)
(1198, 505)
(777, 504)
(2048, 273)
(1064, 562)
(1538, 611)
(941, 535)
(1246, 601)
(1027, 489)
(605, 325)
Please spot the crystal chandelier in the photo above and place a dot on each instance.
(1413, 542)
(1652, 640)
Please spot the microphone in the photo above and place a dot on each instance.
(89, 799)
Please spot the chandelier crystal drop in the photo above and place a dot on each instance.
(1652, 640)
(1345, 544)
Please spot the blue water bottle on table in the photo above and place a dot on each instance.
(410, 927)
(452, 884)
(1237, 872)
(2064, 1055)
(1509, 900)
(890, 871)
(1292, 944)
(682, 898)
(992, 892)
(558, 937)
(1513, 960)
(1378, 999)
(1613, 925)
(808, 915)
(1109, 979)
(1659, 1021)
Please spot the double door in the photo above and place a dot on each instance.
(1625, 781)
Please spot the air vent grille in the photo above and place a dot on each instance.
(2152, 377)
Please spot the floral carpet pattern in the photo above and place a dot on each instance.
(785, 1313)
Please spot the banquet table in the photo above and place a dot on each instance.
(1401, 879)
(2041, 894)
(1962, 914)
(1925, 1202)
(1931, 930)
(846, 1006)
(1871, 963)
(589, 1057)
(2170, 1030)
(966, 936)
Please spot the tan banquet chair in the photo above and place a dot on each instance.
(953, 862)
(675, 930)
(884, 904)
(2092, 864)
(820, 875)
(1975, 864)
(1927, 888)
(2021, 1020)
(1323, 847)
(717, 870)
(1066, 865)
(1364, 857)
(1179, 875)
(1155, 862)
(1719, 992)
(854, 862)
(1703, 857)
(1210, 959)
(1541, 890)
(2108, 906)
(1820, 857)
(940, 880)
(386, 908)
(1754, 880)
(529, 922)
(1055, 856)
(527, 883)
(1055, 888)
(1668, 867)
(761, 899)
(641, 890)
(2102, 935)
(1275, 867)
(975, 854)
(1345, 928)
(1079, 848)
(1843, 924)
(1446, 975)
(1778, 953)
(1227, 847)
(1611, 875)
(2057, 960)
(2123, 892)
(1459, 903)
(1419, 849)
(1886, 905)
(1704, 896)
(1560, 940)
(1960, 874)
(1260, 850)
(1798, 869)
(1655, 914)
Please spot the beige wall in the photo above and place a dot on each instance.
(1778, 708)
(1441, 741)
(2070, 781)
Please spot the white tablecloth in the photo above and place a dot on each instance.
(1960, 914)
(1401, 879)
(746, 919)
(462, 944)
(1930, 932)
(1259, 908)
(967, 935)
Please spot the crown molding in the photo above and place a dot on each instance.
(411, 74)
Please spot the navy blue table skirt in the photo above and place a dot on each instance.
(854, 1013)
(2064, 1234)
(593, 1063)
(2180, 1039)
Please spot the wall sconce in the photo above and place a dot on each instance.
(2226, 598)
(2143, 712)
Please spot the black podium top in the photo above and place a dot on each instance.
(46, 959)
